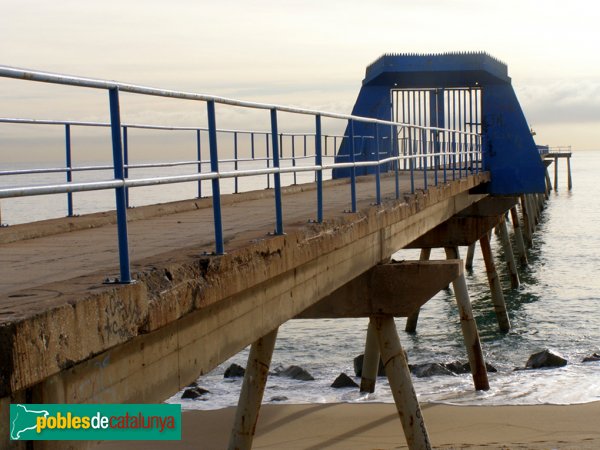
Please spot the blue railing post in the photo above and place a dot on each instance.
(69, 168)
(268, 160)
(199, 156)
(435, 138)
(276, 175)
(411, 161)
(396, 153)
(453, 156)
(235, 162)
(216, 182)
(294, 157)
(126, 162)
(319, 173)
(377, 168)
(353, 168)
(445, 156)
(424, 139)
(115, 125)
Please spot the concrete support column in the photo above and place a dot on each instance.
(495, 286)
(370, 361)
(556, 174)
(253, 388)
(526, 220)
(411, 321)
(508, 254)
(518, 236)
(396, 369)
(469, 328)
(534, 211)
(470, 256)
(548, 183)
(569, 179)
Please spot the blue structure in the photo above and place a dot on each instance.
(466, 91)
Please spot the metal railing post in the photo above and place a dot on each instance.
(69, 168)
(411, 161)
(396, 152)
(436, 158)
(294, 157)
(377, 168)
(235, 162)
(115, 125)
(424, 151)
(319, 162)
(216, 182)
(276, 175)
(268, 159)
(126, 162)
(445, 157)
(199, 156)
(353, 168)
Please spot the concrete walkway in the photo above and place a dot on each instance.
(27, 265)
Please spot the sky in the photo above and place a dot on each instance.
(306, 53)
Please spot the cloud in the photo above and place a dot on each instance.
(561, 101)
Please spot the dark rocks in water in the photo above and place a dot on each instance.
(592, 358)
(234, 371)
(358, 365)
(294, 372)
(278, 398)
(194, 392)
(343, 381)
(545, 358)
(459, 367)
(429, 370)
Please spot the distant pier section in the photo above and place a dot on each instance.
(553, 154)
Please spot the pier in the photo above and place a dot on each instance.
(133, 304)
(553, 155)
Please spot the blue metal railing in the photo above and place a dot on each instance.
(416, 149)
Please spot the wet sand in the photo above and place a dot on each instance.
(376, 426)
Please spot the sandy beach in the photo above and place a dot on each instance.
(376, 426)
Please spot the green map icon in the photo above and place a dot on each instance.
(23, 420)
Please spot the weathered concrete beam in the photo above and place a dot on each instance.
(468, 226)
(192, 314)
(395, 289)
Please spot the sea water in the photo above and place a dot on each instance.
(556, 307)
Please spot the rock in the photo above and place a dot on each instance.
(592, 358)
(278, 398)
(358, 364)
(343, 381)
(429, 370)
(234, 371)
(294, 372)
(460, 368)
(194, 392)
(545, 358)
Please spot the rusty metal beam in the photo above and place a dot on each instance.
(396, 289)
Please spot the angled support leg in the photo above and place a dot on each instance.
(411, 321)
(253, 388)
(370, 361)
(469, 328)
(495, 286)
(509, 255)
(518, 236)
(396, 369)
(470, 256)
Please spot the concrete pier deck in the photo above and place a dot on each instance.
(67, 337)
